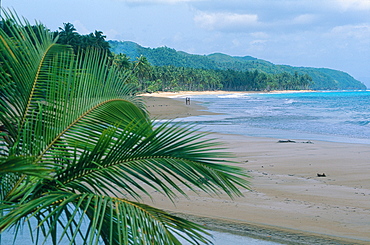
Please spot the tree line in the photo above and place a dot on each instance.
(150, 78)
(146, 77)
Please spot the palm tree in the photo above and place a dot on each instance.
(122, 61)
(78, 150)
(68, 34)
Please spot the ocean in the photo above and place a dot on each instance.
(219, 238)
(336, 116)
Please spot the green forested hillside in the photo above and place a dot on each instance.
(163, 56)
(322, 78)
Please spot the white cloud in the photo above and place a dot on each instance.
(112, 34)
(304, 19)
(236, 42)
(359, 32)
(251, 23)
(354, 4)
(80, 27)
(257, 42)
(260, 35)
(288, 15)
(225, 21)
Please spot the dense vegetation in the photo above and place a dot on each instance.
(165, 69)
(171, 78)
(68, 35)
(78, 151)
(150, 78)
(322, 78)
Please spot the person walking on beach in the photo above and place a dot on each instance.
(187, 101)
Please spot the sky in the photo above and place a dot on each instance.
(313, 33)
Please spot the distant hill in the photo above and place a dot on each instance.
(323, 78)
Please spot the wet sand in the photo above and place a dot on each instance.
(287, 200)
(160, 106)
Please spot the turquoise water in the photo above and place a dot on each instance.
(219, 238)
(339, 116)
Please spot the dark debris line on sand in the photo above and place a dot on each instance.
(293, 141)
(273, 234)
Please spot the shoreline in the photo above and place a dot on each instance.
(164, 107)
(286, 195)
(189, 93)
(267, 232)
(171, 105)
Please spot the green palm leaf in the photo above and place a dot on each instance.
(78, 150)
(113, 220)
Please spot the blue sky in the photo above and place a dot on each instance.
(317, 33)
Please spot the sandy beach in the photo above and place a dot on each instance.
(287, 199)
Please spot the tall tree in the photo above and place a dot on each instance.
(76, 147)
(122, 61)
(68, 34)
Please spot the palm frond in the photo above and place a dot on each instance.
(23, 165)
(25, 55)
(74, 141)
(126, 160)
(93, 218)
